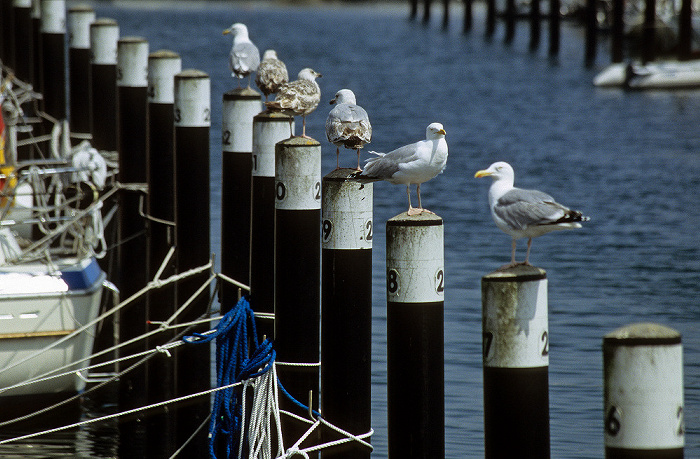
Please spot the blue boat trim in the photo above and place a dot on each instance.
(83, 278)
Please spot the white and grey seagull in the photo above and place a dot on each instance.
(244, 57)
(414, 163)
(525, 213)
(347, 125)
(298, 97)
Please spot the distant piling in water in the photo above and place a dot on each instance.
(297, 273)
(268, 129)
(79, 20)
(192, 116)
(239, 108)
(23, 39)
(104, 35)
(415, 285)
(347, 232)
(516, 363)
(53, 33)
(643, 392)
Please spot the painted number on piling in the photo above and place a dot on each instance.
(681, 424)
(486, 344)
(226, 137)
(281, 191)
(440, 281)
(327, 230)
(317, 191)
(368, 230)
(392, 281)
(612, 421)
(545, 343)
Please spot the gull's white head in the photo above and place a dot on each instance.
(434, 131)
(237, 30)
(498, 171)
(309, 74)
(344, 96)
(269, 54)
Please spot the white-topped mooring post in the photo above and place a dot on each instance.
(132, 83)
(415, 284)
(516, 363)
(79, 20)
(7, 33)
(346, 308)
(36, 39)
(192, 117)
(297, 273)
(24, 39)
(163, 65)
(53, 33)
(104, 36)
(643, 392)
(238, 110)
(268, 129)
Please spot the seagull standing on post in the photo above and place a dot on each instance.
(298, 97)
(244, 57)
(525, 213)
(347, 125)
(271, 74)
(414, 163)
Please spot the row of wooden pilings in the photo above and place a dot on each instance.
(303, 243)
(591, 9)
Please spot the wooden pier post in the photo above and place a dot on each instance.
(516, 363)
(535, 23)
(8, 33)
(163, 65)
(591, 23)
(643, 392)
(239, 107)
(36, 39)
(415, 335)
(346, 308)
(79, 20)
(24, 40)
(685, 30)
(132, 83)
(510, 21)
(468, 16)
(445, 14)
(268, 129)
(648, 45)
(554, 26)
(192, 115)
(53, 35)
(297, 273)
(490, 18)
(104, 35)
(426, 10)
(617, 38)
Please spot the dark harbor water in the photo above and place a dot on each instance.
(629, 160)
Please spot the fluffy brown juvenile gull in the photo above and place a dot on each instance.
(298, 97)
(414, 163)
(525, 213)
(244, 57)
(347, 125)
(271, 74)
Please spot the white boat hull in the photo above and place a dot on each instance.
(31, 320)
(653, 75)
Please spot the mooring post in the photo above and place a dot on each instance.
(468, 16)
(36, 39)
(510, 21)
(643, 392)
(490, 18)
(445, 13)
(239, 107)
(685, 30)
(192, 115)
(132, 82)
(648, 43)
(346, 308)
(414, 9)
(516, 363)
(8, 33)
(554, 26)
(79, 20)
(268, 129)
(24, 40)
(535, 19)
(53, 34)
(163, 65)
(591, 27)
(426, 11)
(297, 273)
(415, 283)
(104, 35)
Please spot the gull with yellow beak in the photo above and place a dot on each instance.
(244, 57)
(411, 164)
(525, 213)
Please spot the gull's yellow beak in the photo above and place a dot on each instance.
(226, 31)
(442, 131)
(482, 173)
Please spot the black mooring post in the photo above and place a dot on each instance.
(79, 20)
(104, 35)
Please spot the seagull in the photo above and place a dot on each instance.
(525, 213)
(414, 163)
(271, 74)
(347, 125)
(244, 57)
(299, 97)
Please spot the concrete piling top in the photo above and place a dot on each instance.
(642, 334)
(422, 219)
(242, 93)
(518, 273)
